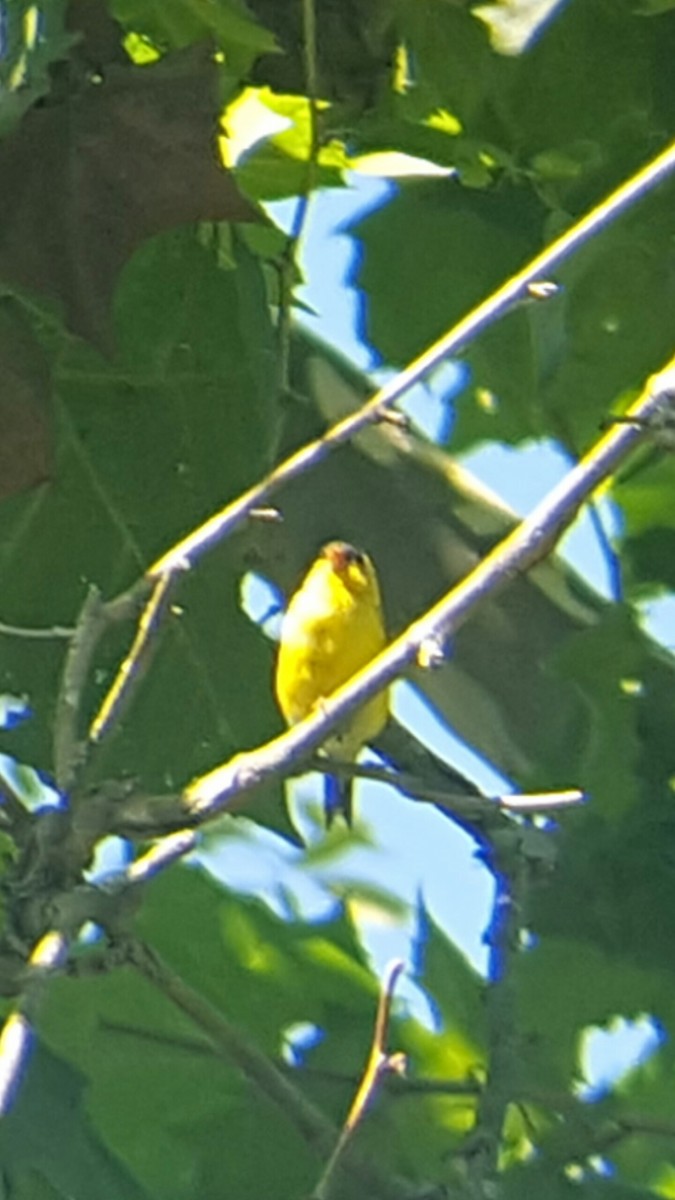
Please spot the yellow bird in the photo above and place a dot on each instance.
(332, 627)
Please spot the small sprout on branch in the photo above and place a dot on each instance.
(532, 802)
(393, 416)
(50, 633)
(431, 654)
(659, 428)
(267, 514)
(542, 289)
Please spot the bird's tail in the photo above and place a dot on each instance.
(337, 798)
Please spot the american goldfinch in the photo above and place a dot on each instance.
(332, 627)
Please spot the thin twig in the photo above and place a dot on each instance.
(95, 617)
(478, 806)
(70, 751)
(167, 851)
(661, 428)
(542, 802)
(566, 1103)
(379, 1064)
(49, 633)
(289, 257)
(526, 545)
(230, 1042)
(634, 1123)
(136, 662)
(67, 746)
(140, 815)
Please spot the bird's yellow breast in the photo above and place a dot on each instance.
(332, 627)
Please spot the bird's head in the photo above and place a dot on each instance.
(352, 566)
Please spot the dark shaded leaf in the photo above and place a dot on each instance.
(49, 1145)
(147, 447)
(85, 180)
(26, 444)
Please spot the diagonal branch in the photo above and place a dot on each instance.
(525, 284)
(137, 660)
(531, 541)
(517, 288)
(225, 788)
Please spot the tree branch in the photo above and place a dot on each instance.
(209, 795)
(518, 287)
(523, 285)
(136, 663)
(508, 864)
(534, 538)
(380, 1063)
(230, 1042)
(95, 617)
(483, 808)
(67, 746)
(50, 633)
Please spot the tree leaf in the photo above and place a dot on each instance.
(83, 182)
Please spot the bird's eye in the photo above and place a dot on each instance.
(356, 557)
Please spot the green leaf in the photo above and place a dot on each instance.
(451, 65)
(178, 23)
(552, 368)
(87, 178)
(652, 8)
(537, 1179)
(467, 242)
(563, 987)
(458, 991)
(644, 1158)
(645, 493)
(148, 446)
(157, 1088)
(277, 163)
(590, 73)
(608, 664)
(156, 1084)
(49, 1146)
